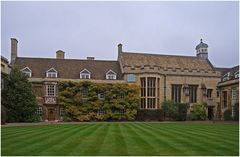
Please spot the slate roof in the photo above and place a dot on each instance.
(69, 68)
(167, 61)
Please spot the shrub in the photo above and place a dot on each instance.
(198, 112)
(182, 111)
(149, 115)
(227, 114)
(3, 115)
(174, 111)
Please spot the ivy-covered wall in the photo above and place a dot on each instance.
(88, 101)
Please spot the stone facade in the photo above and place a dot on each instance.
(185, 79)
(228, 89)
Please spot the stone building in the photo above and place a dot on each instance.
(229, 89)
(186, 79)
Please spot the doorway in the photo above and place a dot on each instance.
(210, 113)
(51, 114)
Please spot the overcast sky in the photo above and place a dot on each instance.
(84, 29)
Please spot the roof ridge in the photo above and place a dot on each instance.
(67, 59)
(165, 55)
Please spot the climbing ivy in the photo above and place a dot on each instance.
(88, 101)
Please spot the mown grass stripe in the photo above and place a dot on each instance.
(75, 147)
(23, 131)
(141, 141)
(163, 141)
(20, 142)
(91, 143)
(58, 143)
(204, 134)
(198, 142)
(113, 139)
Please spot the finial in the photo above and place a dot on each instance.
(201, 40)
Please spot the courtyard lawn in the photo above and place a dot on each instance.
(121, 139)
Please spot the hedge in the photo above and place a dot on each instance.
(150, 115)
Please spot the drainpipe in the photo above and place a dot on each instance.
(164, 87)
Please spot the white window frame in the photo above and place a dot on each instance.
(54, 90)
(85, 75)
(111, 76)
(234, 93)
(49, 74)
(29, 73)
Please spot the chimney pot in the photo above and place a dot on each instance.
(90, 58)
(60, 54)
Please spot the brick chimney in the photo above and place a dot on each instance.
(90, 58)
(60, 54)
(14, 45)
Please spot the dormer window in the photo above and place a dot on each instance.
(111, 75)
(236, 74)
(27, 71)
(226, 76)
(52, 73)
(85, 74)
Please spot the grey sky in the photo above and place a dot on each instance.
(95, 28)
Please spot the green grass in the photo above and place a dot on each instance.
(121, 139)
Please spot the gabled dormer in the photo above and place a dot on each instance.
(85, 74)
(27, 71)
(111, 75)
(52, 73)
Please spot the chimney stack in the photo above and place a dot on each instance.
(119, 48)
(90, 58)
(60, 54)
(14, 45)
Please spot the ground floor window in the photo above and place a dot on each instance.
(100, 112)
(39, 110)
(192, 93)
(62, 112)
(224, 101)
(176, 93)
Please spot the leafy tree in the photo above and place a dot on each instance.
(18, 97)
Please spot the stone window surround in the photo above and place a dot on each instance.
(157, 92)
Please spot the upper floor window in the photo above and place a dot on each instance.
(50, 90)
(234, 93)
(209, 93)
(131, 77)
(111, 75)
(51, 73)
(27, 71)
(85, 74)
